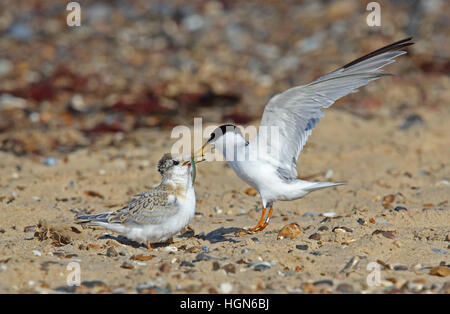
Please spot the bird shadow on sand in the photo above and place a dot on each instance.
(220, 235)
(137, 245)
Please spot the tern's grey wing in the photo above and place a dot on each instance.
(152, 207)
(296, 111)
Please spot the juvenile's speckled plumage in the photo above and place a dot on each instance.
(157, 214)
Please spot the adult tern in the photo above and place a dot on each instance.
(294, 114)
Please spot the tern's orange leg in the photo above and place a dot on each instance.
(260, 220)
(261, 228)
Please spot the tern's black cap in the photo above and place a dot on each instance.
(221, 130)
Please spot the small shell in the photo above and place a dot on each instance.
(289, 231)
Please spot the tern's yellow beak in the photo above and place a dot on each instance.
(205, 148)
(199, 154)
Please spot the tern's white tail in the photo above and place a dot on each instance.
(321, 185)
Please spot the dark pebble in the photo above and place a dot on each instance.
(203, 257)
(323, 228)
(186, 263)
(314, 236)
(255, 239)
(361, 221)
(411, 120)
(399, 208)
(93, 283)
(302, 247)
(260, 266)
(216, 266)
(316, 253)
(323, 282)
(400, 267)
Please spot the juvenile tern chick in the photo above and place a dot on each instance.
(157, 214)
(269, 162)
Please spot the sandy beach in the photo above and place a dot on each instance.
(386, 231)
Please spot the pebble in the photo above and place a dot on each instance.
(325, 282)
(29, 228)
(399, 208)
(400, 267)
(314, 236)
(361, 221)
(411, 120)
(186, 263)
(342, 229)
(170, 248)
(302, 247)
(323, 228)
(126, 265)
(329, 214)
(37, 253)
(388, 199)
(8, 101)
(316, 253)
(50, 161)
(251, 192)
(225, 287)
(345, 288)
(142, 257)
(261, 266)
(442, 271)
(415, 287)
(229, 268)
(145, 286)
(111, 252)
(164, 268)
(215, 265)
(205, 248)
(204, 257)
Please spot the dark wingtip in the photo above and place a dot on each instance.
(391, 47)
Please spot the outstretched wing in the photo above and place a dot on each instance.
(295, 112)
